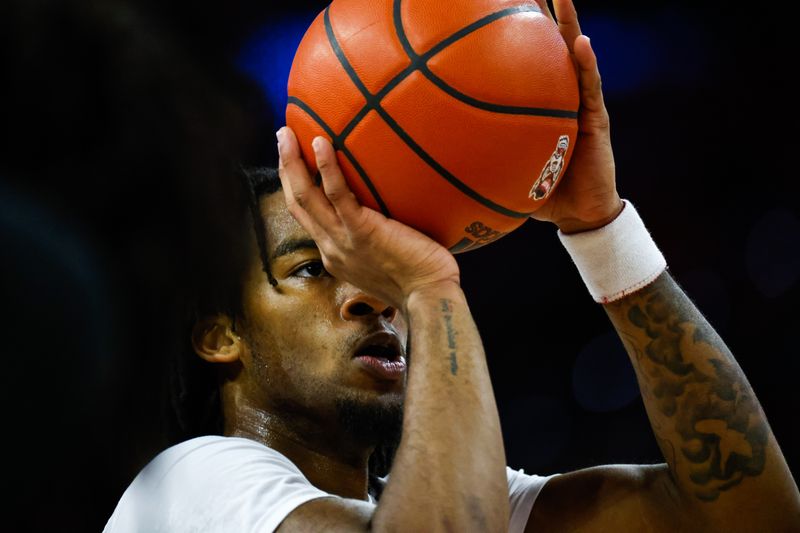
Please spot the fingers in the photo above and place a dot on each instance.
(322, 211)
(545, 8)
(568, 25)
(305, 201)
(336, 189)
(593, 110)
(593, 107)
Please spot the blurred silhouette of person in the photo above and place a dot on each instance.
(117, 196)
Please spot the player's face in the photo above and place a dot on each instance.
(315, 342)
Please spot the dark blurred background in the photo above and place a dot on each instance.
(119, 121)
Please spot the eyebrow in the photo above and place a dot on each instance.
(290, 246)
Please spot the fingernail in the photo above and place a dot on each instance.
(280, 135)
(316, 144)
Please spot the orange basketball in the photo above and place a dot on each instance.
(455, 117)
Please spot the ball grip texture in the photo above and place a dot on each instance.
(457, 118)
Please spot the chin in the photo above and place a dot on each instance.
(372, 417)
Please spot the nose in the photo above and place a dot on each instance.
(361, 305)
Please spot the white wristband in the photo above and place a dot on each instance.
(616, 259)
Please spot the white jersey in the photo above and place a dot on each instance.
(224, 484)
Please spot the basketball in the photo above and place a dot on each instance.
(457, 118)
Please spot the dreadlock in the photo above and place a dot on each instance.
(260, 181)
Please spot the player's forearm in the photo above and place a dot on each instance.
(706, 418)
(449, 471)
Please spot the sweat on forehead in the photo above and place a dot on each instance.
(279, 224)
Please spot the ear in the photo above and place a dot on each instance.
(215, 341)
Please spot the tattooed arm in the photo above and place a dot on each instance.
(724, 471)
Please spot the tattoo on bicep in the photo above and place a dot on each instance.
(688, 372)
(447, 313)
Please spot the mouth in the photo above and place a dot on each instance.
(382, 356)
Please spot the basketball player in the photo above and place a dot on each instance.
(315, 368)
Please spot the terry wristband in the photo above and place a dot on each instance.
(616, 259)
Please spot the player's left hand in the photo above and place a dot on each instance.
(381, 256)
(587, 198)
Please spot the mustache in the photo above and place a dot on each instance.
(355, 339)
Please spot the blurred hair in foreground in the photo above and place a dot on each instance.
(118, 200)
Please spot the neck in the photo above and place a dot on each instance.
(330, 459)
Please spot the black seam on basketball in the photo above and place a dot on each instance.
(462, 246)
(495, 108)
(374, 103)
(338, 143)
(365, 178)
(420, 62)
(397, 17)
(356, 120)
(466, 30)
(351, 72)
(458, 184)
(406, 72)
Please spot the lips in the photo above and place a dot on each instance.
(381, 355)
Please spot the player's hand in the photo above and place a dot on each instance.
(587, 198)
(381, 256)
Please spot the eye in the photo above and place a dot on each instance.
(312, 269)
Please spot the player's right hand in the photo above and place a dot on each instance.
(380, 256)
(587, 198)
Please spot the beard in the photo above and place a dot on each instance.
(374, 423)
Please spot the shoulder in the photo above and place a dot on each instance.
(523, 490)
(204, 483)
(196, 462)
(216, 452)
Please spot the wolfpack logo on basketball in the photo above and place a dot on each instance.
(551, 171)
(482, 234)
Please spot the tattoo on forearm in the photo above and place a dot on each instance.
(447, 313)
(692, 385)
